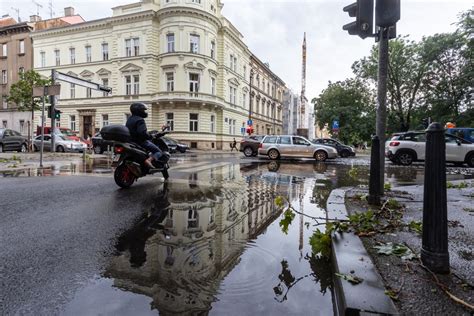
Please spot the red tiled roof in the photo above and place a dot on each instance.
(7, 21)
(73, 19)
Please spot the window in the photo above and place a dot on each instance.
(132, 84)
(192, 213)
(72, 91)
(4, 50)
(170, 40)
(300, 141)
(268, 109)
(5, 125)
(194, 83)
(193, 122)
(128, 47)
(213, 123)
(231, 126)
(4, 102)
(232, 62)
(72, 122)
(169, 81)
(196, 1)
(105, 82)
(194, 44)
(270, 139)
(4, 77)
(232, 95)
(244, 99)
(213, 50)
(136, 46)
(43, 59)
(88, 93)
(57, 57)
(235, 64)
(245, 71)
(22, 126)
(170, 120)
(105, 120)
(88, 54)
(285, 140)
(22, 47)
(213, 86)
(105, 51)
(72, 54)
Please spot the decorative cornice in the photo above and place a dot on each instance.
(234, 81)
(194, 65)
(86, 73)
(130, 68)
(171, 66)
(103, 72)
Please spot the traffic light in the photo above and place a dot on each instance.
(49, 108)
(57, 114)
(250, 130)
(387, 12)
(363, 11)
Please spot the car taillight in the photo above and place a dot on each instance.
(260, 145)
(394, 143)
(119, 149)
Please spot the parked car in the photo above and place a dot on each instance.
(175, 144)
(69, 133)
(61, 143)
(342, 150)
(405, 148)
(466, 133)
(249, 145)
(11, 140)
(277, 146)
(100, 145)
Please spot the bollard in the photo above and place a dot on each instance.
(374, 180)
(434, 250)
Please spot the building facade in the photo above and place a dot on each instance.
(181, 57)
(291, 104)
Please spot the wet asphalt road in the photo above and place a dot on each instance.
(57, 233)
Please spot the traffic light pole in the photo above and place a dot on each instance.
(381, 101)
(53, 103)
(43, 118)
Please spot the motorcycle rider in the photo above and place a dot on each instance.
(139, 134)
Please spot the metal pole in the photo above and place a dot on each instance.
(381, 101)
(250, 99)
(434, 250)
(53, 109)
(374, 181)
(42, 128)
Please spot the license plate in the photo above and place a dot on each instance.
(116, 158)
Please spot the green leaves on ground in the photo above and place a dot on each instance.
(399, 250)
(387, 186)
(363, 223)
(288, 217)
(353, 279)
(461, 185)
(416, 226)
(321, 243)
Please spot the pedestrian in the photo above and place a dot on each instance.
(233, 145)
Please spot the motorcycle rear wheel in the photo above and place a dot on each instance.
(124, 177)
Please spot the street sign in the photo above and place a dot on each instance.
(249, 122)
(46, 90)
(242, 130)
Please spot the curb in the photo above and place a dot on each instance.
(349, 256)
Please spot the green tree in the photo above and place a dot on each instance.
(406, 71)
(350, 102)
(21, 93)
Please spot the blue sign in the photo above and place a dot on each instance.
(242, 130)
(335, 125)
(249, 122)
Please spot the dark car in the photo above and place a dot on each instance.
(249, 145)
(174, 145)
(11, 140)
(342, 150)
(100, 145)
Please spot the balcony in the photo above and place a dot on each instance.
(190, 97)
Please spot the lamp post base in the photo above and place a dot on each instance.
(436, 262)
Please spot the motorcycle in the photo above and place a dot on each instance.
(129, 157)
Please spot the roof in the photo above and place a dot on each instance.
(74, 19)
(7, 21)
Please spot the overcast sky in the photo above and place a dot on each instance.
(273, 30)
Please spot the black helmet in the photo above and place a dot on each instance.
(139, 109)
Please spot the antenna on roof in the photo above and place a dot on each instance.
(17, 13)
(38, 6)
(50, 6)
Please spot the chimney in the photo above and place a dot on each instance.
(35, 18)
(69, 11)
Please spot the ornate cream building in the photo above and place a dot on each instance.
(181, 57)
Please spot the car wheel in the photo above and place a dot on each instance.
(320, 155)
(405, 158)
(182, 150)
(60, 149)
(470, 160)
(273, 154)
(345, 153)
(24, 149)
(98, 150)
(255, 154)
(248, 152)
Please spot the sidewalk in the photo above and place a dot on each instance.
(413, 288)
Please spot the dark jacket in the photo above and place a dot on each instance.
(137, 127)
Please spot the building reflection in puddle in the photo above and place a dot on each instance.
(192, 237)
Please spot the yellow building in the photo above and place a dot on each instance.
(181, 57)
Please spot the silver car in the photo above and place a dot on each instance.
(277, 146)
(61, 144)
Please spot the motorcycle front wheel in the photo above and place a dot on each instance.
(124, 177)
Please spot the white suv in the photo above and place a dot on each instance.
(405, 148)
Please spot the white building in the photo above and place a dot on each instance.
(181, 57)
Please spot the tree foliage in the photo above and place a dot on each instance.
(21, 92)
(352, 104)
